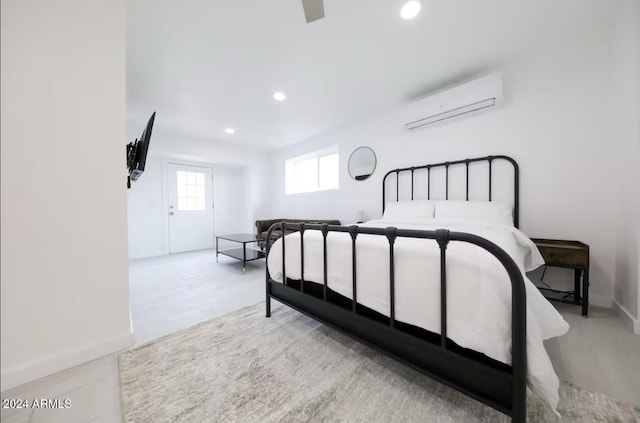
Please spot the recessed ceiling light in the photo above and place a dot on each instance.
(278, 96)
(230, 131)
(410, 9)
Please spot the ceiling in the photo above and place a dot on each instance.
(206, 65)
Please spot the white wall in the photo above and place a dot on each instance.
(148, 205)
(625, 124)
(637, 53)
(554, 123)
(259, 180)
(65, 297)
(232, 213)
(147, 211)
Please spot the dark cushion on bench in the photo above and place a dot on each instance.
(262, 227)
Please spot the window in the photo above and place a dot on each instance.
(190, 191)
(317, 171)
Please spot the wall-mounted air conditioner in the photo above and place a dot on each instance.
(470, 97)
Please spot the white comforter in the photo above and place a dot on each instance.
(478, 287)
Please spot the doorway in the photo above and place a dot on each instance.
(190, 195)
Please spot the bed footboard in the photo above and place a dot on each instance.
(503, 388)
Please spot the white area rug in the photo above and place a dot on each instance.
(243, 367)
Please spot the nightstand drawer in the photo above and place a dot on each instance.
(572, 254)
(562, 257)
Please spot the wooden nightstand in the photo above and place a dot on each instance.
(571, 255)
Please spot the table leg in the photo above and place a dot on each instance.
(585, 293)
(244, 258)
(216, 249)
(577, 273)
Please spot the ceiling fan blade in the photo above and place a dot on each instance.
(313, 9)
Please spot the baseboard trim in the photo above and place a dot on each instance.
(147, 254)
(18, 375)
(629, 321)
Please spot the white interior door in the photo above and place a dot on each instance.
(190, 207)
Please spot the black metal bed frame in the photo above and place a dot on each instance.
(500, 386)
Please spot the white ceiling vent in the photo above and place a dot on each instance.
(464, 99)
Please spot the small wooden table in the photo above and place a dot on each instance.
(243, 254)
(570, 255)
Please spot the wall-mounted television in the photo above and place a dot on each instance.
(137, 152)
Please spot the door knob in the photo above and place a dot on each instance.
(170, 213)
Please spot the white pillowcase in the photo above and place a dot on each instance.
(477, 211)
(409, 210)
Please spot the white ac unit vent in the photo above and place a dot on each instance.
(464, 99)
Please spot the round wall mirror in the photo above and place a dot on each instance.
(362, 163)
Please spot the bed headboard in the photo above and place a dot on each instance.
(446, 166)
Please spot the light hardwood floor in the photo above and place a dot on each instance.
(598, 353)
(170, 293)
(174, 292)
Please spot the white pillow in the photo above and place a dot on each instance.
(477, 211)
(409, 210)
